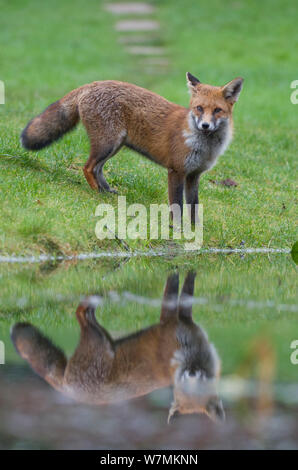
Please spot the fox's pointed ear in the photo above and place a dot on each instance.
(231, 90)
(192, 82)
(215, 409)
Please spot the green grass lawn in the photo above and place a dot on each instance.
(49, 48)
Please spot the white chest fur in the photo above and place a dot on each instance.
(205, 148)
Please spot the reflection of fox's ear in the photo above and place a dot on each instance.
(231, 90)
(192, 82)
(46, 359)
(214, 409)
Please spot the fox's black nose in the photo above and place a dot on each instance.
(205, 125)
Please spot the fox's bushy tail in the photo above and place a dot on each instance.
(57, 119)
(44, 357)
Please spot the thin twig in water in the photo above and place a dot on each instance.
(119, 241)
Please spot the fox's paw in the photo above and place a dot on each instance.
(113, 191)
(107, 190)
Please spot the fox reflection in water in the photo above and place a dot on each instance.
(175, 352)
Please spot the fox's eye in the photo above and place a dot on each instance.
(217, 110)
(200, 109)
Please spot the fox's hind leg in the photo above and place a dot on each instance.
(103, 157)
(103, 185)
(89, 171)
(93, 169)
(105, 143)
(94, 355)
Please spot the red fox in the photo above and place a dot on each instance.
(186, 141)
(102, 370)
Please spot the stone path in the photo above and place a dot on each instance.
(145, 50)
(135, 8)
(146, 46)
(137, 25)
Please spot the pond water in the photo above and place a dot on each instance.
(195, 352)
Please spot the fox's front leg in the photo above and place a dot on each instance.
(192, 195)
(186, 297)
(175, 188)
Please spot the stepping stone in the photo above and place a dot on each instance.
(129, 8)
(145, 50)
(137, 25)
(136, 39)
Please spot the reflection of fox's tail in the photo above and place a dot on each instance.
(57, 119)
(44, 357)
